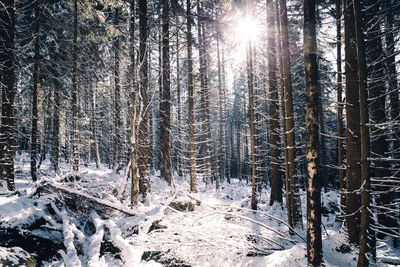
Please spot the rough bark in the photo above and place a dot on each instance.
(75, 92)
(314, 240)
(365, 231)
(8, 93)
(250, 84)
(339, 122)
(34, 133)
(55, 149)
(204, 99)
(143, 139)
(165, 104)
(117, 96)
(133, 111)
(291, 153)
(353, 152)
(192, 151)
(274, 129)
(283, 114)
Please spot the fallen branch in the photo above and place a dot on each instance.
(253, 221)
(77, 197)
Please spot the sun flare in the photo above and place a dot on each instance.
(247, 29)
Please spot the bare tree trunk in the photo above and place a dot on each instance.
(314, 240)
(178, 87)
(394, 91)
(274, 129)
(252, 125)
(220, 149)
(204, 100)
(93, 126)
(340, 106)
(35, 114)
(55, 149)
(283, 115)
(192, 151)
(117, 98)
(353, 153)
(7, 151)
(75, 126)
(143, 138)
(165, 104)
(365, 230)
(133, 112)
(291, 152)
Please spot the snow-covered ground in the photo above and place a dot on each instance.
(217, 229)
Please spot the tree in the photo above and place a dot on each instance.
(192, 151)
(314, 240)
(165, 109)
(364, 136)
(7, 50)
(117, 95)
(353, 152)
(143, 138)
(34, 134)
(134, 111)
(340, 106)
(75, 92)
(276, 179)
(289, 115)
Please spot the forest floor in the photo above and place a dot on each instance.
(61, 221)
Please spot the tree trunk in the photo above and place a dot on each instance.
(365, 231)
(220, 149)
(7, 151)
(204, 100)
(179, 161)
(55, 149)
(340, 106)
(165, 104)
(314, 240)
(252, 125)
(353, 153)
(133, 112)
(295, 202)
(393, 89)
(274, 129)
(93, 126)
(143, 138)
(34, 134)
(192, 151)
(283, 115)
(75, 125)
(117, 97)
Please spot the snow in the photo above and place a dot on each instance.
(220, 231)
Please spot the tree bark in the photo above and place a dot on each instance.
(143, 138)
(314, 240)
(339, 122)
(250, 85)
(117, 96)
(353, 153)
(365, 231)
(192, 151)
(7, 151)
(34, 134)
(165, 104)
(295, 202)
(133, 112)
(274, 129)
(75, 92)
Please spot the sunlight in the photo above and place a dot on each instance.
(247, 29)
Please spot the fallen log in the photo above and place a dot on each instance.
(81, 201)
